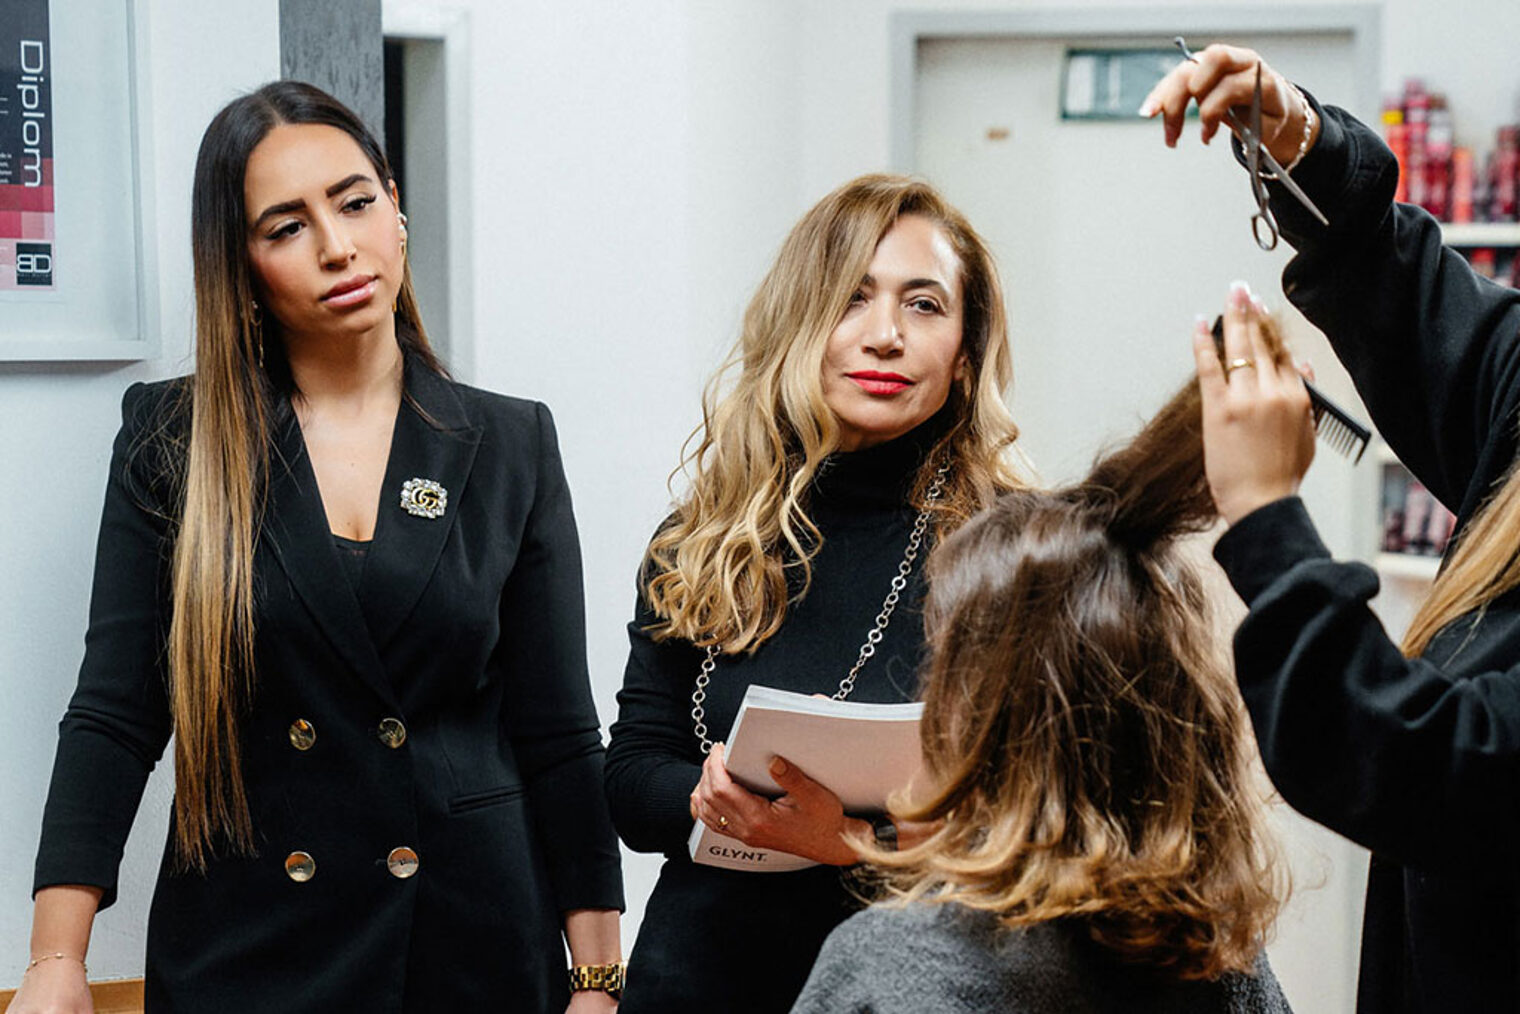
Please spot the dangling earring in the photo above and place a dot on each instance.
(256, 318)
(401, 221)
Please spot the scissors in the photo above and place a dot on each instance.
(1263, 223)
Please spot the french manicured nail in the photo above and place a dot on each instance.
(1147, 109)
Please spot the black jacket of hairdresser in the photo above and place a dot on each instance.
(1417, 759)
(465, 631)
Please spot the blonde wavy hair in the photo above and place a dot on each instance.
(1483, 565)
(1086, 749)
(717, 572)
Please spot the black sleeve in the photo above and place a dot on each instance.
(653, 760)
(548, 709)
(117, 722)
(1430, 344)
(1393, 753)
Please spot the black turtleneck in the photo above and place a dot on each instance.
(860, 504)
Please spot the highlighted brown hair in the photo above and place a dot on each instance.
(1483, 565)
(1085, 743)
(240, 389)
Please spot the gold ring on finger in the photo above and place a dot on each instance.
(722, 820)
(1238, 364)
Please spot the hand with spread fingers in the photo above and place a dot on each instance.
(1258, 430)
(807, 820)
(1224, 78)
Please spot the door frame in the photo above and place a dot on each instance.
(1364, 22)
(403, 19)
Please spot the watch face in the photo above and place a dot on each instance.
(885, 832)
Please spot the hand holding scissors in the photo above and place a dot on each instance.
(1224, 79)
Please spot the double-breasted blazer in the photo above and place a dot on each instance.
(439, 708)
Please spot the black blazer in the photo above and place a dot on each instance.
(442, 706)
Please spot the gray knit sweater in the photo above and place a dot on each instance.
(949, 959)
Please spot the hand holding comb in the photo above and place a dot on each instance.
(1333, 425)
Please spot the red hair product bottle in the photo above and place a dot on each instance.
(1463, 184)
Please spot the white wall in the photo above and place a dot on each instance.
(1462, 48)
(56, 426)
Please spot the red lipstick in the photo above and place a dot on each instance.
(880, 382)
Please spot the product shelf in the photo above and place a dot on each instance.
(1478, 234)
(1407, 566)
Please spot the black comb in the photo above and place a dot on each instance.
(1340, 431)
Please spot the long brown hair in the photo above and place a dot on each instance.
(717, 571)
(1083, 737)
(239, 393)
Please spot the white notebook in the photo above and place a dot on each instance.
(861, 752)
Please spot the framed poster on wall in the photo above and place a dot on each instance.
(76, 266)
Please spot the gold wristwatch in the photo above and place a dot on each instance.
(602, 978)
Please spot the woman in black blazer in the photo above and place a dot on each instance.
(388, 764)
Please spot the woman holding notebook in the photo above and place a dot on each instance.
(860, 418)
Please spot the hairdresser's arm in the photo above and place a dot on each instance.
(1394, 753)
(1431, 346)
(1391, 752)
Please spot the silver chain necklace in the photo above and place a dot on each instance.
(873, 638)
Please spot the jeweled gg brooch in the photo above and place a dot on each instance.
(424, 498)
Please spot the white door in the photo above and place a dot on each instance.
(1109, 243)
